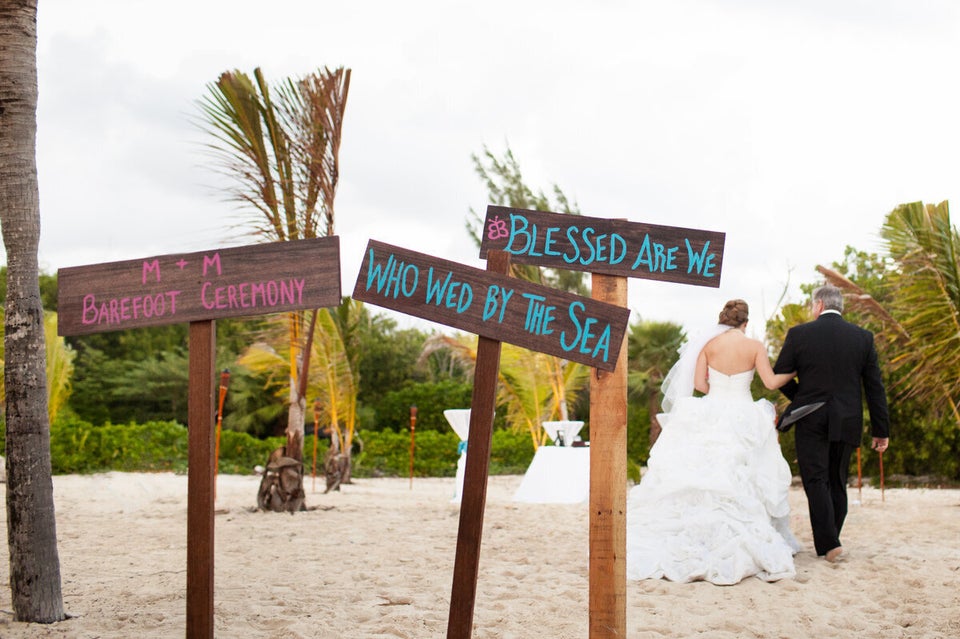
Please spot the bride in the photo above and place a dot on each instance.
(712, 504)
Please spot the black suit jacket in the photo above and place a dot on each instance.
(836, 363)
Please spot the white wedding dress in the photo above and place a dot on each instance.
(712, 504)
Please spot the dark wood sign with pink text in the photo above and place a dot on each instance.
(536, 317)
(168, 289)
(611, 247)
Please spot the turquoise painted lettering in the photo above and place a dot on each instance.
(618, 248)
(701, 261)
(571, 232)
(377, 272)
(549, 241)
(643, 255)
(539, 315)
(436, 290)
(519, 232)
(462, 301)
(584, 335)
(586, 234)
(497, 298)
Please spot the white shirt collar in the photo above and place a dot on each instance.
(830, 310)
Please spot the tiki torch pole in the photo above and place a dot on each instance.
(413, 428)
(316, 435)
(224, 381)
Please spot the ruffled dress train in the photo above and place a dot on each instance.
(713, 503)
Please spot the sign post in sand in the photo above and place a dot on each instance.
(612, 251)
(498, 308)
(198, 288)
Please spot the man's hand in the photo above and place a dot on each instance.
(880, 444)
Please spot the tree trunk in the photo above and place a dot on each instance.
(31, 526)
(295, 417)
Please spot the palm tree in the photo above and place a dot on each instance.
(283, 159)
(31, 524)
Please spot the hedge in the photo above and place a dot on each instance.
(77, 446)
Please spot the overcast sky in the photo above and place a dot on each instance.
(793, 127)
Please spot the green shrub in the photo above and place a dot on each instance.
(76, 446)
(240, 452)
(387, 453)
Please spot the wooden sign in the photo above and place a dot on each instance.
(168, 289)
(611, 247)
(536, 317)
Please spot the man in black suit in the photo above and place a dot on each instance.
(836, 363)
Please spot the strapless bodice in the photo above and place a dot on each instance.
(736, 385)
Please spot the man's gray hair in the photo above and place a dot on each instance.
(831, 297)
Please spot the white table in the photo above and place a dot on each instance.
(557, 475)
(459, 420)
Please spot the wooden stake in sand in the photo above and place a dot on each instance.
(198, 288)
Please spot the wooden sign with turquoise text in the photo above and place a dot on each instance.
(503, 308)
(611, 247)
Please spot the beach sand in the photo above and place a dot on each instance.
(376, 561)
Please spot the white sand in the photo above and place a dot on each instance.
(376, 560)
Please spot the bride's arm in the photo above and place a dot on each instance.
(700, 374)
(770, 379)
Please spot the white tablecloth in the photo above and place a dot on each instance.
(459, 420)
(557, 475)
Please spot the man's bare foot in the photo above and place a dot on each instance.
(835, 555)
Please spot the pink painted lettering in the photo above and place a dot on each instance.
(252, 294)
(150, 267)
(126, 309)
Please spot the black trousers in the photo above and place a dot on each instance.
(823, 468)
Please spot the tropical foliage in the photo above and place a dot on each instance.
(652, 349)
(532, 387)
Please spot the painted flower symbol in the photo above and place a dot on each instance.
(497, 229)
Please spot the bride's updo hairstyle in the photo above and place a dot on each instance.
(735, 313)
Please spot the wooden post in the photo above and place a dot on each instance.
(200, 481)
(608, 482)
(474, 497)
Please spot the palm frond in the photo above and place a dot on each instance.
(331, 379)
(926, 302)
(59, 366)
